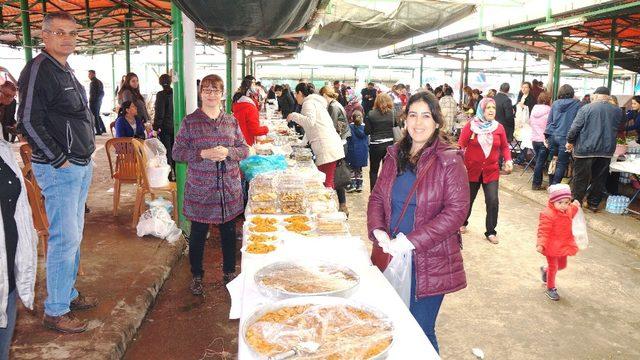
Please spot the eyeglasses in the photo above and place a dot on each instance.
(212, 91)
(61, 34)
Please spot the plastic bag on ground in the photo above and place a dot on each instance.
(157, 222)
(398, 273)
(579, 230)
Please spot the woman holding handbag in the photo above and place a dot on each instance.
(422, 192)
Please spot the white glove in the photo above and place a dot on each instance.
(400, 245)
(383, 239)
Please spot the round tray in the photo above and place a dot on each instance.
(283, 265)
(316, 300)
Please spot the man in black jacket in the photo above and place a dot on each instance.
(592, 139)
(163, 119)
(504, 110)
(96, 93)
(54, 117)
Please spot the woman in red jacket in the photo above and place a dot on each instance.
(246, 112)
(555, 235)
(484, 141)
(423, 193)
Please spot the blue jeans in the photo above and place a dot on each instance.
(557, 148)
(65, 193)
(6, 334)
(541, 159)
(425, 311)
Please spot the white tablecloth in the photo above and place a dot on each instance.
(410, 342)
(626, 166)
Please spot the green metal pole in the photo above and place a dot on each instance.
(421, 69)
(612, 52)
(166, 50)
(556, 67)
(26, 30)
(524, 66)
(548, 18)
(179, 103)
(466, 69)
(481, 17)
(44, 7)
(227, 51)
(244, 62)
(127, 45)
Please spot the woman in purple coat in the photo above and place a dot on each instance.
(211, 143)
(422, 192)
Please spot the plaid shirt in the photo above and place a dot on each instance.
(449, 111)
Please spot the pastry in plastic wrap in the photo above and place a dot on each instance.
(291, 278)
(341, 331)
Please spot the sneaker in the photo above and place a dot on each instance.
(196, 285)
(350, 188)
(537, 187)
(66, 323)
(359, 189)
(228, 277)
(543, 274)
(83, 303)
(594, 208)
(552, 294)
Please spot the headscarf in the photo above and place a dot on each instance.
(484, 128)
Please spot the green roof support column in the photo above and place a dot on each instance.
(166, 55)
(556, 67)
(229, 85)
(127, 44)
(466, 69)
(612, 52)
(548, 17)
(44, 7)
(524, 66)
(179, 103)
(26, 30)
(244, 62)
(421, 69)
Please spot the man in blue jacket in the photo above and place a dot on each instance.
(592, 139)
(56, 120)
(561, 116)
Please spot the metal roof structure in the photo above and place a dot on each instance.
(586, 36)
(104, 23)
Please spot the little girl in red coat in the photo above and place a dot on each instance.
(555, 238)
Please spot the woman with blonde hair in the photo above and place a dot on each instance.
(379, 126)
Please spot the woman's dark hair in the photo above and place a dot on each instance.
(305, 88)
(527, 83)
(405, 159)
(165, 81)
(123, 108)
(126, 86)
(448, 91)
(277, 88)
(566, 92)
(636, 98)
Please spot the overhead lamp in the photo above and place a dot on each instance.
(560, 24)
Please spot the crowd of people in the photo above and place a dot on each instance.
(428, 156)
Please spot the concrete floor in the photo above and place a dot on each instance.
(503, 310)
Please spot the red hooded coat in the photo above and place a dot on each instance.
(554, 231)
(246, 112)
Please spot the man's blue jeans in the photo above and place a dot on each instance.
(557, 148)
(425, 311)
(65, 192)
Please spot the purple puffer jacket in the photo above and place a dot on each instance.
(442, 206)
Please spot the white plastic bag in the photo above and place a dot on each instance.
(157, 222)
(398, 273)
(157, 168)
(579, 230)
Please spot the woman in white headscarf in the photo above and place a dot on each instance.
(485, 141)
